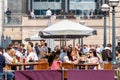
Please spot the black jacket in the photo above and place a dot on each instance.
(2, 63)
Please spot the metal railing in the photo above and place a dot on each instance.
(13, 19)
(16, 18)
(67, 17)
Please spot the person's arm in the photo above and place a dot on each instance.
(76, 61)
(8, 58)
(66, 59)
(46, 51)
(28, 58)
(95, 60)
(35, 56)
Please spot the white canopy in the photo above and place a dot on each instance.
(68, 29)
(35, 37)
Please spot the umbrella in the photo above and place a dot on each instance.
(67, 29)
(35, 37)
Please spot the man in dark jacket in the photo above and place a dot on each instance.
(8, 14)
(2, 63)
(10, 75)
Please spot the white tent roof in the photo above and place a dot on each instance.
(66, 27)
(35, 37)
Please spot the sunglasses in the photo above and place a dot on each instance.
(90, 52)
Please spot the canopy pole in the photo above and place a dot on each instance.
(82, 43)
(65, 39)
(60, 42)
(73, 42)
(79, 40)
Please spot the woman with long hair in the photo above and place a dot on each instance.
(72, 57)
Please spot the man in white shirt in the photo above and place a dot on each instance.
(32, 14)
(32, 57)
(48, 13)
(19, 54)
(8, 58)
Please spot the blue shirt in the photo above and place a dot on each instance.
(62, 55)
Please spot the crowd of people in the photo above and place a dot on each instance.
(69, 54)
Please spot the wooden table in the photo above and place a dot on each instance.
(86, 65)
(22, 65)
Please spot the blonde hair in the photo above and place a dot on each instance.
(12, 52)
(29, 48)
(74, 51)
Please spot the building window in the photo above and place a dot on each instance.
(75, 0)
(57, 0)
(53, 12)
(37, 12)
(43, 0)
(43, 12)
(50, 0)
(78, 0)
(57, 12)
(78, 12)
(89, 0)
(73, 11)
(36, 0)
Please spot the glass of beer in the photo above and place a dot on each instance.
(24, 60)
(18, 59)
(14, 59)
